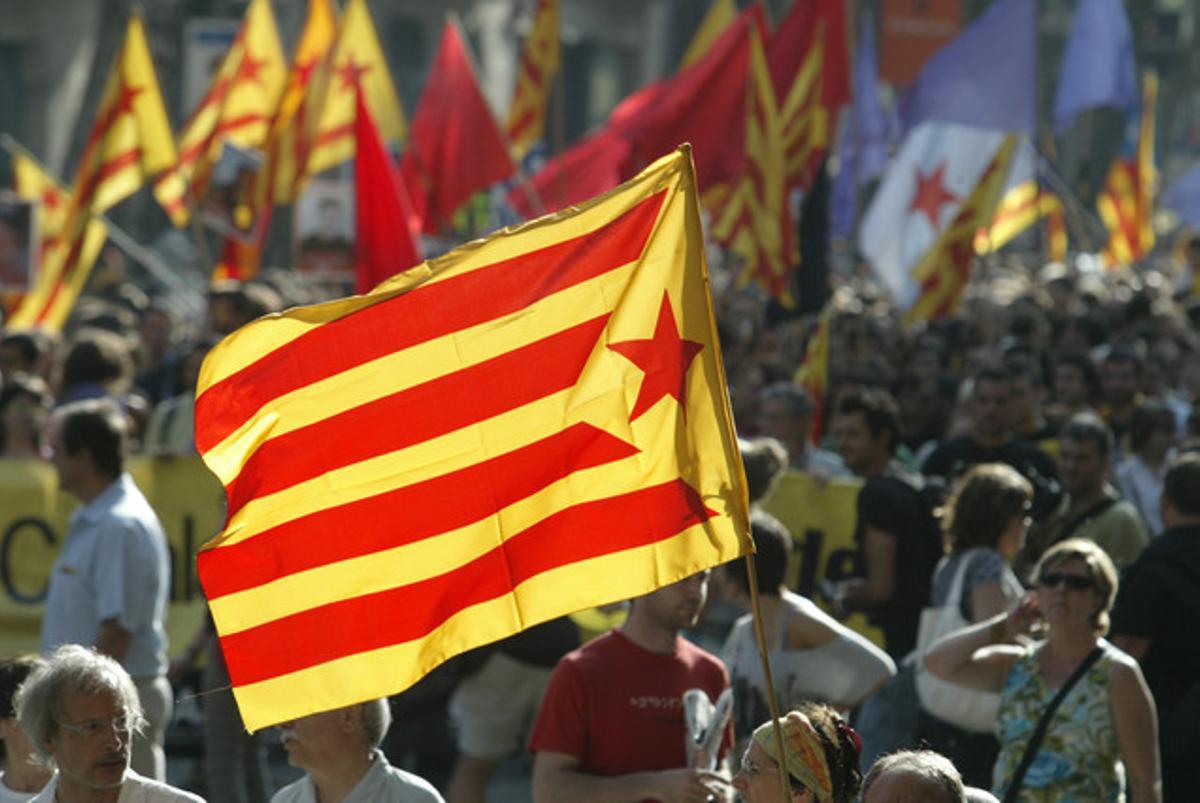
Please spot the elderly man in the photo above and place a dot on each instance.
(79, 711)
(918, 776)
(339, 751)
(108, 588)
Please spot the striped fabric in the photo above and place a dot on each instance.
(943, 271)
(130, 141)
(531, 425)
(755, 221)
(541, 58)
(237, 109)
(1127, 201)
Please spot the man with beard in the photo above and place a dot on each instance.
(611, 726)
(79, 712)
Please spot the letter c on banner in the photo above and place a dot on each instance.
(7, 544)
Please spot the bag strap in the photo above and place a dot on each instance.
(1039, 733)
(954, 597)
(1083, 518)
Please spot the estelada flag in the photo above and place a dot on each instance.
(541, 57)
(530, 425)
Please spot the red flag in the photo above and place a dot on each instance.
(456, 148)
(694, 106)
(386, 236)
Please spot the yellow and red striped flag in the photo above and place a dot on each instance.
(130, 141)
(541, 58)
(236, 109)
(720, 15)
(31, 181)
(385, 514)
(285, 148)
(1127, 200)
(356, 63)
(1056, 233)
(813, 373)
(754, 220)
(943, 271)
(1021, 207)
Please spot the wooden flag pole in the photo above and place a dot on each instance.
(772, 702)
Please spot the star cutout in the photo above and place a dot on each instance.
(931, 194)
(664, 359)
(249, 69)
(351, 73)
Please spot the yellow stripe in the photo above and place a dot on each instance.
(257, 339)
(415, 366)
(386, 671)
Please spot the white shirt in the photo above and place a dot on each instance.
(1143, 486)
(8, 795)
(383, 783)
(113, 565)
(134, 789)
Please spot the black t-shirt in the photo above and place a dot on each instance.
(1159, 599)
(892, 503)
(954, 457)
(542, 645)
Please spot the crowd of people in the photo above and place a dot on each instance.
(1028, 465)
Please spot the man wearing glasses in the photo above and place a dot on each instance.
(79, 711)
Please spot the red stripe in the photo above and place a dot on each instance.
(417, 414)
(409, 514)
(373, 621)
(233, 124)
(334, 134)
(425, 313)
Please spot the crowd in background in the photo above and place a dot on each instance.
(1086, 385)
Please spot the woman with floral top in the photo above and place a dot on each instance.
(1106, 720)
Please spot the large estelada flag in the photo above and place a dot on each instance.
(530, 425)
(129, 142)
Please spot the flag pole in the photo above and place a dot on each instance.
(531, 193)
(142, 255)
(772, 703)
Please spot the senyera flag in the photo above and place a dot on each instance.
(530, 425)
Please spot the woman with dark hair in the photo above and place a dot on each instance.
(983, 526)
(813, 656)
(25, 406)
(1105, 719)
(821, 755)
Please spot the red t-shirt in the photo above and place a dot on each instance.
(619, 708)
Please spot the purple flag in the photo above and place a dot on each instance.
(984, 77)
(1098, 66)
(1183, 196)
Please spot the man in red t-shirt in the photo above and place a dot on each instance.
(611, 724)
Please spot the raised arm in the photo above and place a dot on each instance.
(979, 656)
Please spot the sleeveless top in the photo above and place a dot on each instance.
(839, 673)
(1079, 759)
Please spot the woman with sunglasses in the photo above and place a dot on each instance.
(1106, 719)
(821, 754)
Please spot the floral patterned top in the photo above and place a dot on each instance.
(1078, 760)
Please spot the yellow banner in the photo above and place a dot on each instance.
(821, 516)
(33, 522)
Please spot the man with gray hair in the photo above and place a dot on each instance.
(918, 776)
(339, 751)
(79, 711)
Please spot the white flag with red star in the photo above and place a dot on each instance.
(936, 169)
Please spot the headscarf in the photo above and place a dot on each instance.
(805, 759)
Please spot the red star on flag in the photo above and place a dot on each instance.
(664, 359)
(124, 102)
(51, 199)
(351, 73)
(249, 69)
(931, 194)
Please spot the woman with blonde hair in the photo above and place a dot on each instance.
(1073, 708)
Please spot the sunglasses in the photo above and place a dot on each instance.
(1074, 582)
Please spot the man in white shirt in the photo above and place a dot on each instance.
(339, 751)
(108, 588)
(80, 711)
